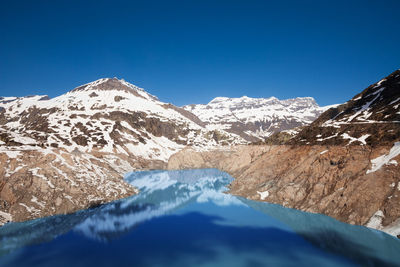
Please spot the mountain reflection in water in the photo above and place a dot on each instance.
(183, 218)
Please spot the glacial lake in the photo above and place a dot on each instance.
(183, 218)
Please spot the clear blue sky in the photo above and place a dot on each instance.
(192, 51)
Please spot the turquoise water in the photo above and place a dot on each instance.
(183, 218)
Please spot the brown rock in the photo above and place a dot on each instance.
(335, 183)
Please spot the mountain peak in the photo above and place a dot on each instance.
(106, 84)
(114, 84)
(219, 99)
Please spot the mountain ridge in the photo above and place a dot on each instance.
(370, 117)
(255, 119)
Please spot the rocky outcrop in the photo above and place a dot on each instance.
(339, 181)
(42, 182)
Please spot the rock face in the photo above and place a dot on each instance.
(254, 119)
(42, 182)
(345, 164)
(67, 153)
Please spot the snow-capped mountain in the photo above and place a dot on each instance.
(255, 119)
(107, 115)
(70, 152)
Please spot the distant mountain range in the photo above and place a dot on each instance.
(255, 119)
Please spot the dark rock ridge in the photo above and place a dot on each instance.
(371, 117)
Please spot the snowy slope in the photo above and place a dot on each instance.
(107, 115)
(257, 118)
(371, 117)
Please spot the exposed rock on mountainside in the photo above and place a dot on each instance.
(345, 164)
(371, 117)
(254, 119)
(42, 182)
(67, 153)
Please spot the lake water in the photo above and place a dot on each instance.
(183, 218)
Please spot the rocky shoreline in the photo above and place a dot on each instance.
(39, 183)
(338, 181)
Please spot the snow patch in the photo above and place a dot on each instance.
(376, 220)
(394, 101)
(263, 195)
(35, 200)
(32, 210)
(6, 216)
(11, 153)
(323, 152)
(326, 138)
(378, 162)
(353, 139)
(35, 173)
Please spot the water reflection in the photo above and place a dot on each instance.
(161, 192)
(364, 245)
(190, 239)
(186, 214)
